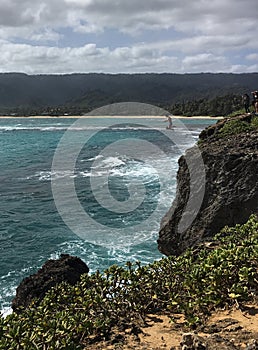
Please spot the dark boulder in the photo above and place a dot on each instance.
(65, 269)
(230, 186)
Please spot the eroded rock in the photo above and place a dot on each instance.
(230, 189)
(65, 269)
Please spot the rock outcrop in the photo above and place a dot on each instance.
(65, 269)
(230, 188)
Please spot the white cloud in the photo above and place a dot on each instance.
(202, 16)
(199, 34)
(252, 57)
(205, 63)
(44, 35)
(43, 59)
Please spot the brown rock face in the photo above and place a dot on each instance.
(65, 269)
(230, 189)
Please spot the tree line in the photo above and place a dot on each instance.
(218, 106)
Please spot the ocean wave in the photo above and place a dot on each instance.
(8, 285)
(111, 167)
(32, 215)
(109, 162)
(45, 128)
(100, 257)
(100, 165)
(48, 175)
(64, 128)
(53, 128)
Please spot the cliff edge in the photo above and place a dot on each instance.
(229, 151)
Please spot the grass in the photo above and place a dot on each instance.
(222, 273)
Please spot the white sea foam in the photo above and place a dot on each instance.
(45, 128)
(63, 128)
(60, 127)
(99, 258)
(99, 156)
(111, 166)
(8, 285)
(5, 311)
(108, 162)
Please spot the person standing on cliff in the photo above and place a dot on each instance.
(255, 101)
(246, 102)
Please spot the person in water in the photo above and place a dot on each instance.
(169, 119)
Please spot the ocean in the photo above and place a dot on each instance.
(96, 188)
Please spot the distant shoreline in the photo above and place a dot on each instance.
(107, 116)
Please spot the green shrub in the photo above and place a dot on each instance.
(254, 122)
(236, 126)
(218, 274)
(236, 113)
(233, 127)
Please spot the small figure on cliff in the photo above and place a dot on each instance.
(246, 102)
(255, 101)
(169, 120)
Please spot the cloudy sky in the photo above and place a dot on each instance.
(128, 36)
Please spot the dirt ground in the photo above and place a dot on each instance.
(224, 330)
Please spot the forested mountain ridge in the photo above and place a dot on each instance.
(95, 90)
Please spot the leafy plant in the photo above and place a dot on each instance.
(218, 274)
(254, 122)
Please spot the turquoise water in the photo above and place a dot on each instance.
(31, 227)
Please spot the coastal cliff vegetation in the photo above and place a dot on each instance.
(221, 273)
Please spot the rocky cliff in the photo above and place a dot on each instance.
(228, 187)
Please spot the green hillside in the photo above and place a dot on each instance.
(94, 90)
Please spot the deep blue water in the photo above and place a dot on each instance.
(31, 227)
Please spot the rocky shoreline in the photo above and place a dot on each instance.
(231, 164)
(230, 187)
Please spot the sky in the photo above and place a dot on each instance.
(128, 36)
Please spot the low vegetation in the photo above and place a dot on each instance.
(236, 126)
(215, 274)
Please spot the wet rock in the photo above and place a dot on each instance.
(65, 269)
